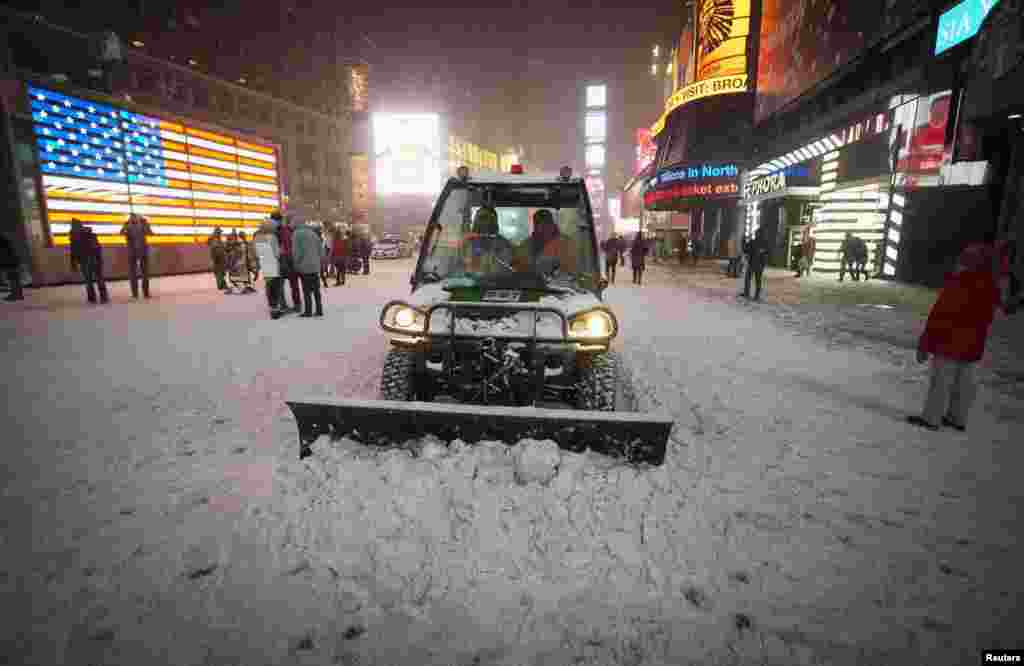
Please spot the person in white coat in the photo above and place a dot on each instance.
(269, 252)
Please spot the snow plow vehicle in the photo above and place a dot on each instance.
(505, 335)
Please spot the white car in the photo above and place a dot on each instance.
(389, 248)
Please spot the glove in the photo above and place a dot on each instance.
(922, 356)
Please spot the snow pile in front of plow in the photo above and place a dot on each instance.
(522, 546)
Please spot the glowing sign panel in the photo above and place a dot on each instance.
(101, 163)
(408, 152)
(597, 96)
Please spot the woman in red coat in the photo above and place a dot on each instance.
(339, 255)
(955, 336)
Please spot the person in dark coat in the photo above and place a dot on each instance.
(808, 247)
(367, 250)
(307, 256)
(612, 250)
(325, 262)
(136, 230)
(87, 257)
(757, 256)
(339, 256)
(638, 257)
(219, 257)
(954, 338)
(284, 237)
(845, 248)
(10, 265)
(858, 259)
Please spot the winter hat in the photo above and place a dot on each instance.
(976, 257)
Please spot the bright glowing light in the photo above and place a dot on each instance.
(408, 152)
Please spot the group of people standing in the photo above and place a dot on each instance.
(615, 250)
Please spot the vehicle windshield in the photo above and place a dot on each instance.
(487, 231)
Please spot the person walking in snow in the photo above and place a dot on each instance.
(638, 257)
(285, 229)
(269, 251)
(307, 251)
(612, 249)
(136, 230)
(339, 256)
(87, 257)
(219, 257)
(954, 338)
(757, 257)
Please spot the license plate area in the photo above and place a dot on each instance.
(502, 295)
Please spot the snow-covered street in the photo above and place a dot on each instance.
(155, 510)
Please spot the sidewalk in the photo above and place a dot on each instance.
(881, 317)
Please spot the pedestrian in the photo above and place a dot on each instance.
(219, 257)
(269, 251)
(136, 230)
(954, 338)
(284, 237)
(637, 257)
(367, 248)
(612, 249)
(10, 266)
(757, 257)
(844, 255)
(306, 257)
(339, 256)
(698, 245)
(807, 249)
(252, 260)
(859, 259)
(87, 257)
(325, 257)
(1008, 260)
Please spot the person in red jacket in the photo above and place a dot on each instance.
(954, 337)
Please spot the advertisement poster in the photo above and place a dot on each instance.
(723, 27)
(804, 42)
(646, 149)
(684, 58)
(920, 129)
(360, 183)
(407, 149)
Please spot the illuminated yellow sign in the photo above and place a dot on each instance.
(724, 26)
(722, 85)
(464, 153)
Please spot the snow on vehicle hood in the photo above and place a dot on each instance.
(568, 303)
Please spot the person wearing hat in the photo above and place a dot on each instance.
(87, 257)
(219, 257)
(954, 338)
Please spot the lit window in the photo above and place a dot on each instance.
(597, 96)
(595, 155)
(596, 126)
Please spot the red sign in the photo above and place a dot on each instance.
(690, 190)
(646, 149)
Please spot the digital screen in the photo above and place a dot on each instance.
(407, 148)
(646, 149)
(803, 43)
(722, 40)
(920, 128)
(596, 126)
(596, 96)
(102, 163)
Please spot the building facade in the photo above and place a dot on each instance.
(319, 160)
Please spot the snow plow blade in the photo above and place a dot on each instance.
(635, 436)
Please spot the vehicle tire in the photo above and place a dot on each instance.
(603, 386)
(397, 379)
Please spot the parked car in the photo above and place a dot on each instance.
(391, 248)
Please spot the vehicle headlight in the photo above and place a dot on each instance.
(402, 318)
(596, 324)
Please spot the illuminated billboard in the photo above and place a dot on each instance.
(803, 43)
(595, 155)
(101, 163)
(407, 148)
(646, 150)
(723, 28)
(597, 96)
(596, 126)
(920, 128)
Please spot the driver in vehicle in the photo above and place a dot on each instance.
(487, 250)
(548, 249)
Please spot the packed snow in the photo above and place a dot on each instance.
(155, 510)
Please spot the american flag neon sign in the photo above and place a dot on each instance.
(101, 163)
